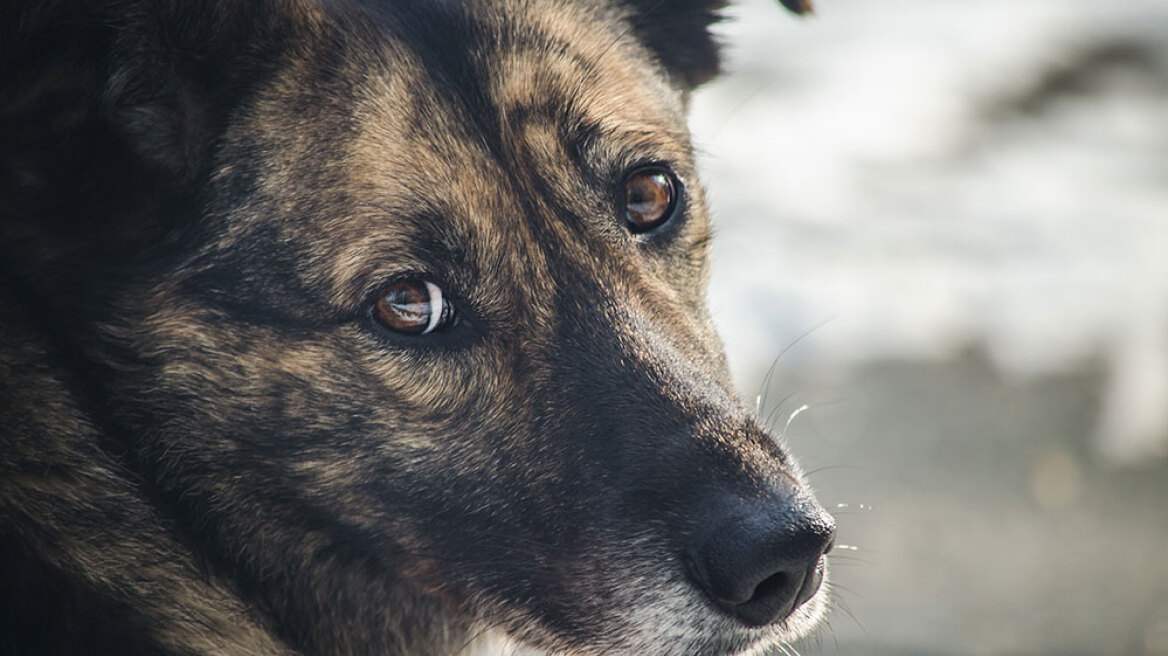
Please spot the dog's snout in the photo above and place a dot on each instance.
(759, 565)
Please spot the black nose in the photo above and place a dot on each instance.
(760, 564)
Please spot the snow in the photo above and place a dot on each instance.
(882, 167)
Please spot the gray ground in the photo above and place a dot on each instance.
(988, 526)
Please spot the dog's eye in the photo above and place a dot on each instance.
(650, 198)
(414, 307)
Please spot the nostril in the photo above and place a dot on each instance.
(772, 585)
(774, 598)
(811, 582)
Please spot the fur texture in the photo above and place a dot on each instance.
(208, 445)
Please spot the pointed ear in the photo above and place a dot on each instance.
(171, 79)
(678, 32)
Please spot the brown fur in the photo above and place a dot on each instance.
(209, 448)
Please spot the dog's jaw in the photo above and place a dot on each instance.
(678, 621)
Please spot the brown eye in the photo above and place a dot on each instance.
(650, 198)
(414, 307)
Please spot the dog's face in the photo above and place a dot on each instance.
(441, 327)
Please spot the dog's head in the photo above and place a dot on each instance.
(419, 346)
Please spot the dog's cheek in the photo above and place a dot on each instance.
(272, 402)
(384, 436)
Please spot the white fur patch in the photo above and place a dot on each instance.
(495, 643)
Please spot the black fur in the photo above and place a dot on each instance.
(678, 32)
(208, 444)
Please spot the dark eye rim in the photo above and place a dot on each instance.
(677, 207)
(463, 327)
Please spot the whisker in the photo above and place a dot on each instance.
(849, 560)
(790, 418)
(836, 586)
(824, 628)
(852, 509)
(760, 400)
(831, 631)
(842, 605)
(811, 641)
(737, 108)
(814, 406)
(829, 468)
(783, 401)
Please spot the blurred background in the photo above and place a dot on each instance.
(945, 225)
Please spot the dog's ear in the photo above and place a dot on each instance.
(174, 70)
(152, 73)
(109, 110)
(678, 32)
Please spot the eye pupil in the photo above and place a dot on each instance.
(413, 307)
(649, 198)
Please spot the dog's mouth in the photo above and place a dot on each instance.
(744, 640)
(715, 632)
(709, 632)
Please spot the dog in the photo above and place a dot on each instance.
(374, 327)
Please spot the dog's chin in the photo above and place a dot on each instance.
(687, 626)
(802, 623)
(740, 641)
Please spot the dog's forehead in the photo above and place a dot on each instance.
(464, 129)
(498, 99)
